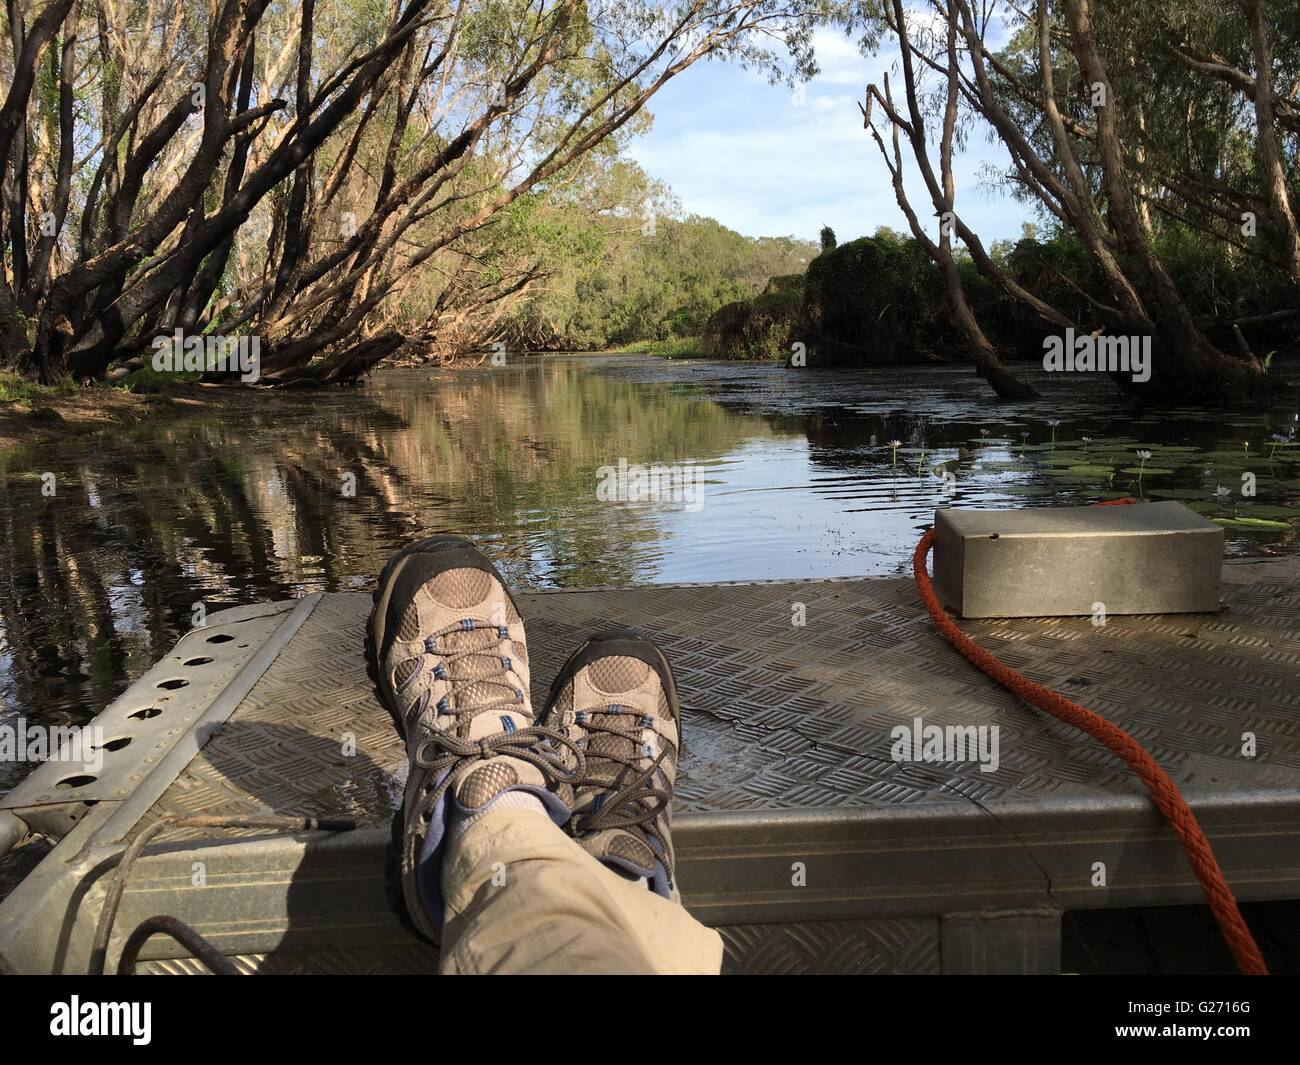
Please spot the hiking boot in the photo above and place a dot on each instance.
(616, 701)
(446, 650)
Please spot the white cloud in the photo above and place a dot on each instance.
(839, 60)
(767, 161)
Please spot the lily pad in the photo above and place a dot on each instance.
(1250, 523)
(1202, 494)
(1267, 511)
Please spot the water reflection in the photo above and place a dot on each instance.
(294, 493)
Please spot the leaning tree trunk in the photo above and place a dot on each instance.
(1270, 152)
(978, 349)
(342, 368)
(988, 364)
(1185, 365)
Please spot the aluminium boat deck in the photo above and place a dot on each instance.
(798, 835)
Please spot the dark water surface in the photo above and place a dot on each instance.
(797, 473)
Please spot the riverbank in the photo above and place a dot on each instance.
(55, 415)
(37, 414)
(674, 348)
(34, 414)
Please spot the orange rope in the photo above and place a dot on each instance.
(1163, 791)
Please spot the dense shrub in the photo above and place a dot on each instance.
(759, 328)
(880, 300)
(871, 301)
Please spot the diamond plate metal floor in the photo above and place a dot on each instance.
(901, 866)
(778, 716)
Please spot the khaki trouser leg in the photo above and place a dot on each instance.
(522, 897)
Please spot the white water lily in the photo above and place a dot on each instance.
(1143, 455)
(1222, 493)
(894, 445)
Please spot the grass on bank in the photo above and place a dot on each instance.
(17, 389)
(147, 380)
(673, 348)
(144, 381)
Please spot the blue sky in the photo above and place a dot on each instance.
(766, 162)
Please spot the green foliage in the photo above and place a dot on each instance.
(758, 328)
(633, 276)
(16, 389)
(827, 237)
(880, 299)
(785, 283)
(872, 300)
(148, 380)
(674, 348)
(47, 89)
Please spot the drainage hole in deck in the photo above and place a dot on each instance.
(146, 713)
(200, 661)
(221, 637)
(171, 685)
(76, 782)
(115, 744)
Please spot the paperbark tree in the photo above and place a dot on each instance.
(1095, 177)
(1270, 149)
(295, 173)
(942, 191)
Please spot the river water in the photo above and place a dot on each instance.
(765, 473)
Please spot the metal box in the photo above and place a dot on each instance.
(1143, 558)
